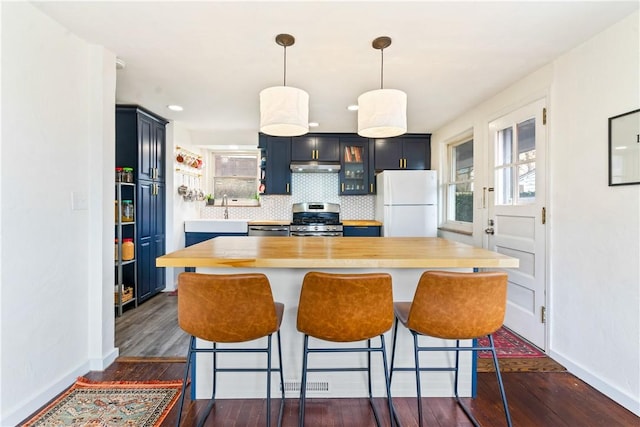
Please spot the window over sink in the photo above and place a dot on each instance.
(235, 173)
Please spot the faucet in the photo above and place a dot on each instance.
(225, 203)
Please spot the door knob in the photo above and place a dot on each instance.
(489, 230)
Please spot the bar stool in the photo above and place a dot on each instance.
(345, 308)
(229, 308)
(456, 306)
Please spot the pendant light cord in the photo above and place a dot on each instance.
(381, 67)
(284, 80)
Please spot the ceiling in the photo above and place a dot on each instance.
(214, 57)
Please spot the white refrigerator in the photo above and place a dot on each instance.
(407, 203)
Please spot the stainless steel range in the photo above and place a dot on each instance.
(316, 219)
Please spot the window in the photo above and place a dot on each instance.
(516, 164)
(459, 185)
(236, 175)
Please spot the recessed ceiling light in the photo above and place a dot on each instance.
(175, 107)
(314, 124)
(352, 108)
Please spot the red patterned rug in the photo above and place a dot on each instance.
(509, 345)
(118, 403)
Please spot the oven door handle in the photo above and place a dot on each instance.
(316, 234)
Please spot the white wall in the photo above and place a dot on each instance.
(58, 94)
(593, 229)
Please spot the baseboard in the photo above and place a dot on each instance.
(623, 399)
(102, 364)
(39, 400)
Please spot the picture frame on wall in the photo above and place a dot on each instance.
(624, 149)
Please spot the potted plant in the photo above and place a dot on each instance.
(209, 199)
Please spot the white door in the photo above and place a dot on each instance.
(516, 224)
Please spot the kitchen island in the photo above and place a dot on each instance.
(285, 261)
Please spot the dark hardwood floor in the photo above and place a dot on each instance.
(536, 399)
(539, 399)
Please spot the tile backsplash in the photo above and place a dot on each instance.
(305, 187)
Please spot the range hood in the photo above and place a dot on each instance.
(315, 167)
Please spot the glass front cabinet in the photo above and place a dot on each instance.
(357, 171)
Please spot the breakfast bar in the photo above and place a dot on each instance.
(285, 261)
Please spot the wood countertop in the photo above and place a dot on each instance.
(361, 223)
(334, 252)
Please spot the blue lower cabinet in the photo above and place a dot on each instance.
(191, 239)
(361, 231)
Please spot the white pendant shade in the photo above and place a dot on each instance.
(284, 111)
(382, 113)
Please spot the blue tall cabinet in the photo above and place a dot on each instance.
(141, 144)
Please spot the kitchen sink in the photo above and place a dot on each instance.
(216, 226)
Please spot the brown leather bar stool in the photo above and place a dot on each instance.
(229, 308)
(345, 308)
(455, 306)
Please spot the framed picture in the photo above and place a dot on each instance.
(624, 148)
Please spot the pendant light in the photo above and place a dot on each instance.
(382, 113)
(284, 111)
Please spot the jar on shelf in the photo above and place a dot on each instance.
(118, 174)
(115, 256)
(127, 249)
(127, 175)
(127, 211)
(116, 210)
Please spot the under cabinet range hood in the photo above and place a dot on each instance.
(315, 167)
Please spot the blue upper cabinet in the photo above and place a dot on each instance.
(315, 147)
(275, 172)
(140, 142)
(403, 152)
(356, 171)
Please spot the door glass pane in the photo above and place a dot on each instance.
(504, 187)
(354, 176)
(527, 182)
(505, 147)
(464, 202)
(526, 140)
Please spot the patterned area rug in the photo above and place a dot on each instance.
(531, 364)
(509, 345)
(122, 403)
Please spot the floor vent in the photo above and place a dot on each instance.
(311, 386)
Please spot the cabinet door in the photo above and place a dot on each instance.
(145, 269)
(354, 170)
(146, 147)
(145, 247)
(303, 148)
(328, 148)
(417, 153)
(158, 277)
(151, 237)
(361, 231)
(159, 147)
(324, 148)
(278, 172)
(388, 153)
